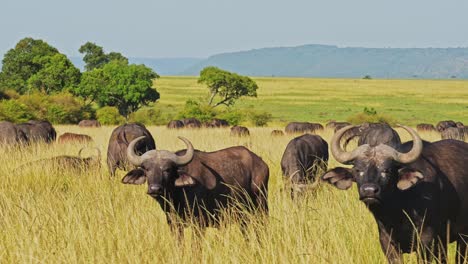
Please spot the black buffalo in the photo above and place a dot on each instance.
(198, 184)
(216, 122)
(191, 122)
(38, 131)
(456, 133)
(240, 131)
(373, 134)
(419, 190)
(118, 143)
(299, 127)
(442, 125)
(175, 124)
(10, 134)
(73, 137)
(277, 133)
(303, 158)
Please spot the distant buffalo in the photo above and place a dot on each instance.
(340, 125)
(175, 124)
(277, 133)
(191, 122)
(118, 143)
(10, 134)
(425, 127)
(89, 123)
(453, 133)
(299, 127)
(442, 125)
(460, 124)
(304, 157)
(239, 131)
(217, 123)
(72, 137)
(38, 131)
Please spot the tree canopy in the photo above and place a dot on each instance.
(96, 58)
(28, 65)
(226, 86)
(127, 87)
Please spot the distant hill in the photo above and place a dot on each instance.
(335, 62)
(163, 66)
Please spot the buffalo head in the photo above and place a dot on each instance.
(159, 168)
(378, 171)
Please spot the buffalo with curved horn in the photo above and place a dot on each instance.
(198, 184)
(415, 190)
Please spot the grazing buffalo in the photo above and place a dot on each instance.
(373, 134)
(175, 124)
(317, 126)
(65, 162)
(240, 131)
(191, 122)
(277, 133)
(340, 125)
(118, 143)
(299, 127)
(198, 184)
(425, 127)
(416, 192)
(217, 123)
(10, 134)
(89, 123)
(72, 137)
(38, 131)
(303, 158)
(453, 133)
(442, 125)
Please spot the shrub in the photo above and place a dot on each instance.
(150, 116)
(109, 115)
(64, 109)
(13, 111)
(200, 111)
(233, 116)
(260, 118)
(370, 115)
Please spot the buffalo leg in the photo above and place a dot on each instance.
(388, 247)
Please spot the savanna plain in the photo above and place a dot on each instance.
(50, 215)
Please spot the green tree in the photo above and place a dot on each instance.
(227, 86)
(127, 87)
(27, 58)
(96, 58)
(59, 73)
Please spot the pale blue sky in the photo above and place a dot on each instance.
(199, 28)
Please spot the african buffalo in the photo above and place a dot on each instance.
(299, 127)
(303, 158)
(217, 123)
(89, 123)
(418, 190)
(198, 184)
(175, 124)
(38, 131)
(340, 125)
(442, 125)
(373, 134)
(72, 137)
(425, 127)
(240, 131)
(10, 134)
(118, 143)
(277, 133)
(453, 133)
(191, 122)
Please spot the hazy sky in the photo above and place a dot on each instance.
(199, 28)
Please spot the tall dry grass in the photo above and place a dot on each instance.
(61, 216)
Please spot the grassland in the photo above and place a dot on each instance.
(50, 216)
(320, 100)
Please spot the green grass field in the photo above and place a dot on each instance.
(319, 100)
(64, 216)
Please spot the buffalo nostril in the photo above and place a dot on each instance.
(370, 190)
(153, 189)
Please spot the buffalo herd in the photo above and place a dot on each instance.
(417, 191)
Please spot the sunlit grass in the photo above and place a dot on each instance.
(67, 217)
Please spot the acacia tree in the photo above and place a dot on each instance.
(226, 86)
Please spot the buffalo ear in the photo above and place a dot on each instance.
(184, 180)
(340, 177)
(136, 176)
(408, 178)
